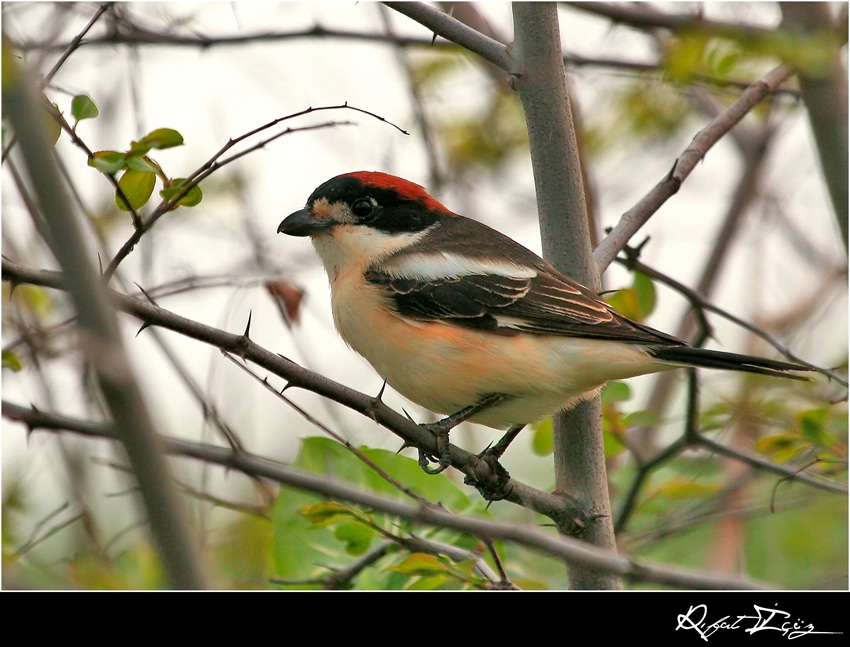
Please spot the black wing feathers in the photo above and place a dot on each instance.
(537, 299)
(547, 304)
(467, 301)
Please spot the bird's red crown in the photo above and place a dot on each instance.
(403, 187)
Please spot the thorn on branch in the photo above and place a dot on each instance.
(147, 296)
(671, 174)
(246, 334)
(380, 395)
(404, 445)
(375, 402)
(639, 249)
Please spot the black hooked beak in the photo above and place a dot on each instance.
(303, 223)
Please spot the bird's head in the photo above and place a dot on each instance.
(361, 217)
(365, 198)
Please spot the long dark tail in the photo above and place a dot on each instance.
(689, 356)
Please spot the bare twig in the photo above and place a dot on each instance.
(341, 578)
(782, 470)
(636, 217)
(133, 35)
(644, 16)
(454, 30)
(75, 43)
(38, 537)
(136, 35)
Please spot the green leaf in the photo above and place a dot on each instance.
(82, 107)
(142, 163)
(685, 56)
(54, 130)
(37, 299)
(812, 422)
(612, 443)
(326, 456)
(679, 489)
(422, 564)
(641, 417)
(616, 392)
(645, 289)
(636, 302)
(613, 421)
(726, 63)
(357, 537)
(305, 550)
(108, 162)
(11, 67)
(432, 583)
(782, 447)
(11, 361)
(651, 110)
(160, 138)
(541, 442)
(137, 186)
(325, 512)
(192, 198)
(624, 301)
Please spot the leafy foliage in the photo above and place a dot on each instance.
(313, 537)
(141, 172)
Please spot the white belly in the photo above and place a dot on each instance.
(445, 368)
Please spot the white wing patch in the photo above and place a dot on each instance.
(510, 322)
(443, 265)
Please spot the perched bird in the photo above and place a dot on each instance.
(458, 317)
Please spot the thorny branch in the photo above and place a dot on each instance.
(558, 546)
(547, 504)
(636, 217)
(296, 376)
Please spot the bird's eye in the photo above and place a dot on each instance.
(362, 208)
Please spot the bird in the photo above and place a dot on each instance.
(465, 321)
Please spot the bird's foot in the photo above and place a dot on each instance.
(441, 430)
(489, 477)
(443, 456)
